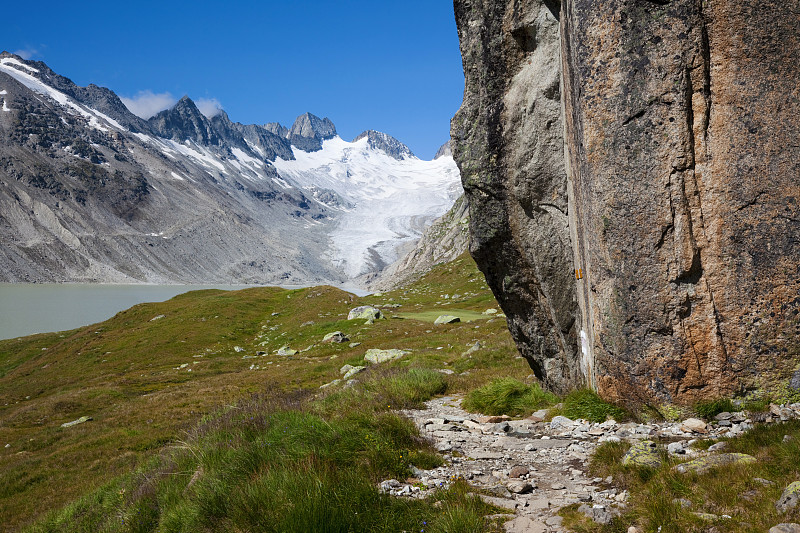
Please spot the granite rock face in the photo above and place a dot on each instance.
(507, 139)
(669, 151)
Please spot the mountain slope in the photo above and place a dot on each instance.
(91, 192)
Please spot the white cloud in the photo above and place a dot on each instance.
(27, 53)
(210, 107)
(146, 104)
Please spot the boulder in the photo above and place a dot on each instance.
(643, 453)
(285, 350)
(365, 312)
(446, 319)
(633, 213)
(376, 356)
(790, 498)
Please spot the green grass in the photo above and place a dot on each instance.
(729, 490)
(126, 373)
(710, 409)
(587, 404)
(508, 396)
(273, 465)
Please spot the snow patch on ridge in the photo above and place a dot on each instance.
(394, 200)
(36, 85)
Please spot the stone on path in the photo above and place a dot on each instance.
(644, 453)
(524, 524)
(790, 498)
(561, 423)
(446, 319)
(703, 464)
(694, 425)
(519, 471)
(502, 503)
(519, 486)
(376, 356)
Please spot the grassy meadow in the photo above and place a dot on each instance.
(151, 375)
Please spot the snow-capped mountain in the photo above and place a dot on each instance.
(382, 199)
(91, 192)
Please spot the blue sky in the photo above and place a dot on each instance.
(391, 66)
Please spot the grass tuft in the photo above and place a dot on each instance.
(508, 396)
(712, 408)
(587, 404)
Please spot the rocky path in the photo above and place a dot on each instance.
(527, 468)
(534, 468)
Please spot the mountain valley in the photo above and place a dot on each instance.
(93, 193)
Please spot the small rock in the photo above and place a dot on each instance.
(683, 502)
(81, 420)
(158, 317)
(718, 447)
(765, 482)
(447, 319)
(331, 384)
(785, 528)
(554, 521)
(518, 486)
(503, 503)
(490, 312)
(634, 529)
(694, 425)
(494, 419)
(352, 372)
(561, 423)
(598, 513)
(519, 471)
(335, 336)
(676, 448)
(706, 516)
(790, 498)
(354, 344)
(285, 350)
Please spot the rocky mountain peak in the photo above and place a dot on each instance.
(308, 132)
(444, 150)
(277, 128)
(386, 143)
(185, 122)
